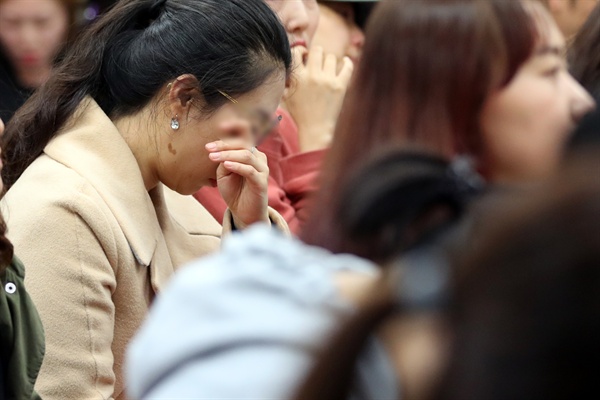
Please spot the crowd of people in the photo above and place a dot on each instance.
(299, 199)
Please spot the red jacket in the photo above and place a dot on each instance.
(292, 176)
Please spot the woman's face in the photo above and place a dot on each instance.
(338, 33)
(526, 124)
(183, 163)
(299, 17)
(32, 31)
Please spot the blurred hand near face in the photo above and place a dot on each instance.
(315, 96)
(242, 175)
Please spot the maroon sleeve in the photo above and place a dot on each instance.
(292, 173)
(211, 199)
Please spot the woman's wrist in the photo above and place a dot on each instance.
(315, 137)
(240, 224)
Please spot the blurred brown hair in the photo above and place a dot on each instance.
(427, 68)
(584, 54)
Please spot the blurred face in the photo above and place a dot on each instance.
(32, 31)
(338, 33)
(299, 17)
(526, 123)
(184, 165)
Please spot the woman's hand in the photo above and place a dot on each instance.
(242, 178)
(315, 98)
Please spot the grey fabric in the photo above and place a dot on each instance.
(245, 324)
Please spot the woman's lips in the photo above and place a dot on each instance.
(299, 43)
(29, 59)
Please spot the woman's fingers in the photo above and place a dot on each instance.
(346, 73)
(229, 144)
(244, 170)
(253, 158)
(299, 54)
(330, 66)
(315, 59)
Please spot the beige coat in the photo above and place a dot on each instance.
(97, 247)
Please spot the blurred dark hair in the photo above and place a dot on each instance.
(75, 15)
(426, 70)
(588, 131)
(131, 52)
(584, 54)
(405, 198)
(525, 306)
(6, 247)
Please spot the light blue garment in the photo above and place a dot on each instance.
(246, 324)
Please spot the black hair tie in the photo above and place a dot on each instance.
(150, 14)
(156, 8)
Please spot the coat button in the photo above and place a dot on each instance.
(10, 288)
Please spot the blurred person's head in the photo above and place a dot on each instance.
(339, 32)
(32, 32)
(486, 79)
(516, 317)
(406, 199)
(570, 15)
(584, 54)
(300, 19)
(526, 123)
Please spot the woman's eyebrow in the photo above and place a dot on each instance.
(552, 50)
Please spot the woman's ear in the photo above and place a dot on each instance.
(181, 93)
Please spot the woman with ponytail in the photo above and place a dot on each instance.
(155, 100)
(268, 317)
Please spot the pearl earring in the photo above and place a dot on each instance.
(174, 123)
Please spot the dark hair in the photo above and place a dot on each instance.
(527, 306)
(130, 53)
(6, 247)
(584, 54)
(405, 198)
(587, 132)
(524, 309)
(427, 68)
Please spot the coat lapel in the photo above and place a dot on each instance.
(91, 145)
